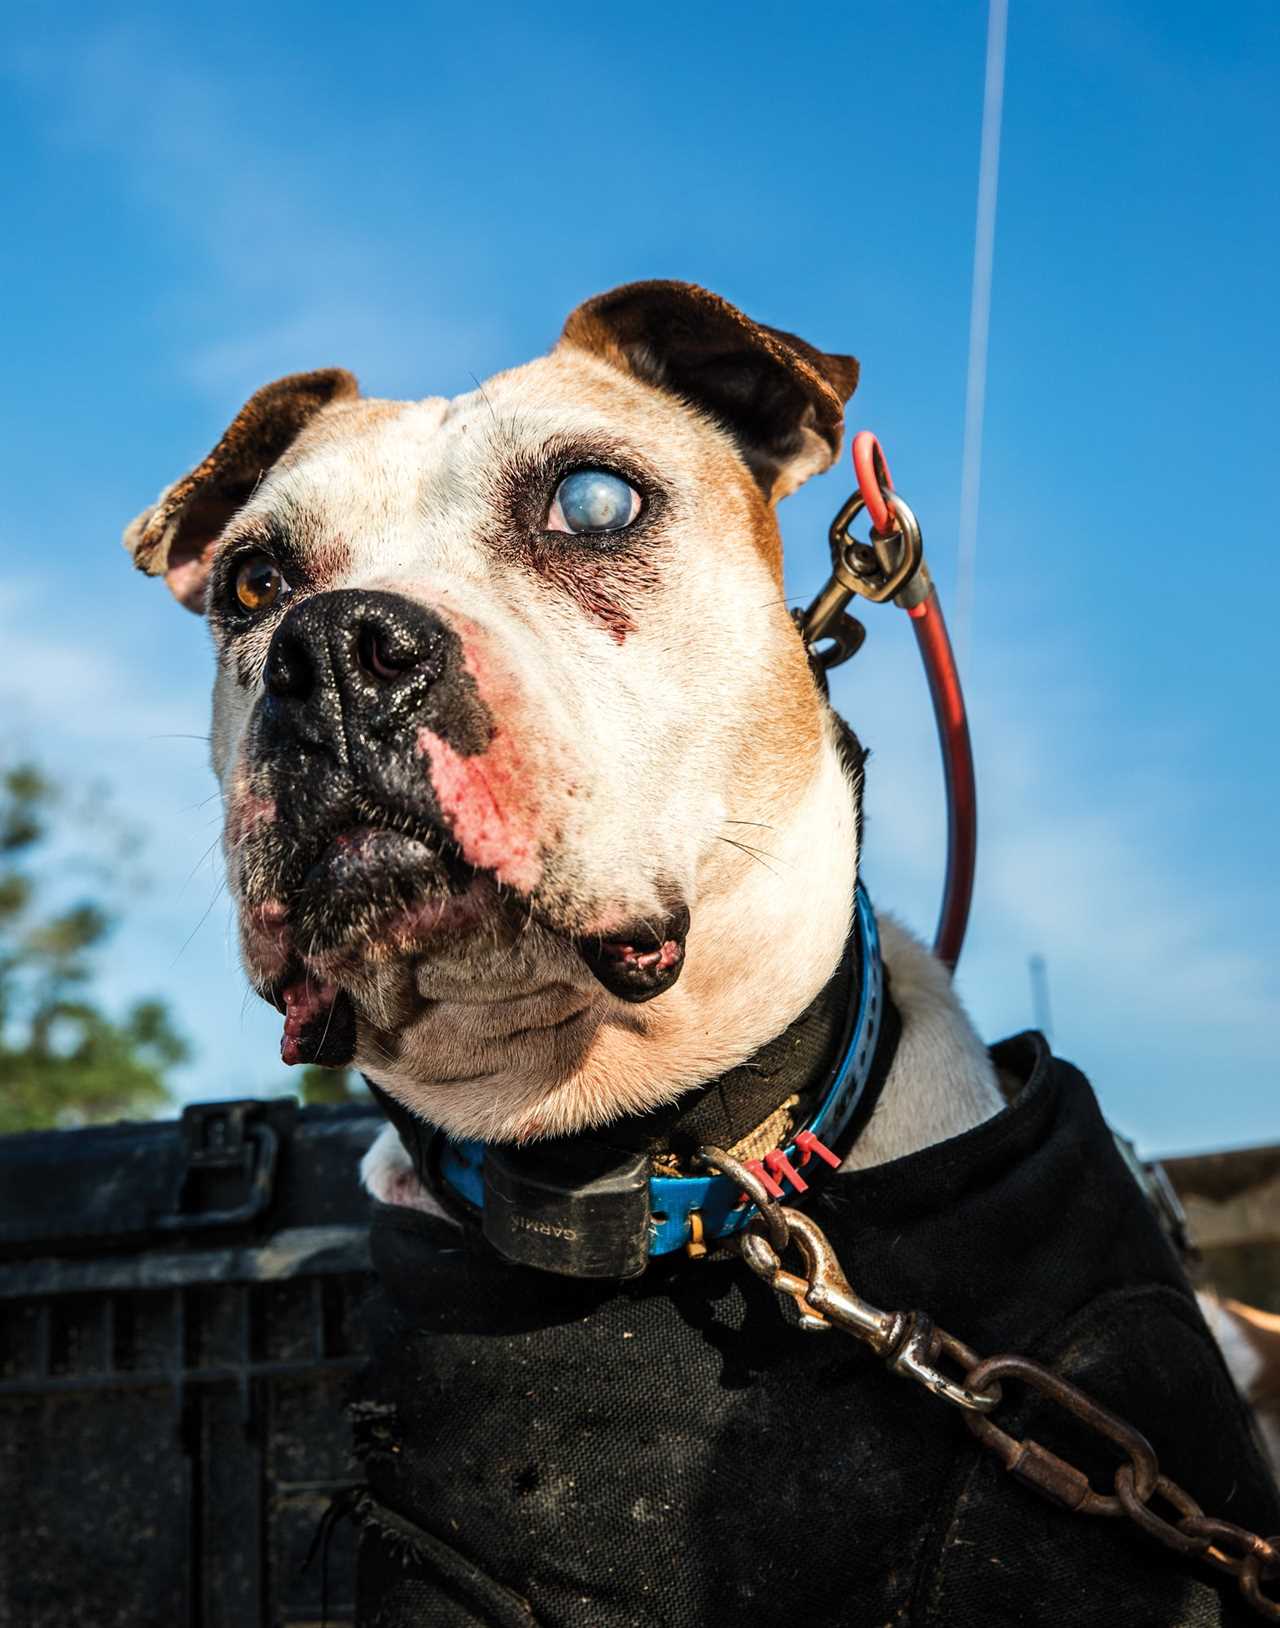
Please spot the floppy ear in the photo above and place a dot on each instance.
(175, 537)
(782, 400)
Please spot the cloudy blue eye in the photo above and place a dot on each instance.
(593, 500)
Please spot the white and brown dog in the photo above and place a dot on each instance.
(509, 702)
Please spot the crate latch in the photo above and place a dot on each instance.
(228, 1168)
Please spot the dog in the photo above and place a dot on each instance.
(536, 811)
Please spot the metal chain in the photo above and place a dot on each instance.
(911, 1346)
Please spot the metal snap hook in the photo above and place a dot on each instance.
(881, 569)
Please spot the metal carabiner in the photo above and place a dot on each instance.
(824, 1295)
(917, 1356)
(886, 568)
(881, 569)
(763, 1260)
(831, 1294)
(908, 1342)
(826, 622)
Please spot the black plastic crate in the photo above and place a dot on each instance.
(179, 1315)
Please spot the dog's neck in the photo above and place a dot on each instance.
(758, 954)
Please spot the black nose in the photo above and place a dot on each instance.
(354, 669)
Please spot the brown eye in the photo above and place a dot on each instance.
(259, 583)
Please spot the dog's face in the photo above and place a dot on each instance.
(505, 686)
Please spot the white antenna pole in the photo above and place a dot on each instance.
(1039, 970)
(975, 398)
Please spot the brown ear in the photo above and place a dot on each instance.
(175, 537)
(782, 400)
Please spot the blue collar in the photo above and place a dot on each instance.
(717, 1201)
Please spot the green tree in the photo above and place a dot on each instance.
(62, 1060)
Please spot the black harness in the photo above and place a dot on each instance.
(671, 1452)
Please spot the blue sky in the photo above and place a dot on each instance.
(201, 199)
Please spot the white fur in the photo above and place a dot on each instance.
(646, 762)
(941, 1082)
(388, 1175)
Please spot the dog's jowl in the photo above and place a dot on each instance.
(535, 811)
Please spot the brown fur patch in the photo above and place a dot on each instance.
(178, 530)
(776, 393)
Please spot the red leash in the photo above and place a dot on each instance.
(934, 644)
(892, 567)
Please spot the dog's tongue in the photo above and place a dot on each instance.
(319, 1024)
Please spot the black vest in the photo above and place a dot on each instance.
(676, 1453)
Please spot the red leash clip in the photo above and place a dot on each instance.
(757, 1169)
(809, 1144)
(778, 1166)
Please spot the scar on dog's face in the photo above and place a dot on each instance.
(502, 679)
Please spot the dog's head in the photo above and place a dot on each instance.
(506, 685)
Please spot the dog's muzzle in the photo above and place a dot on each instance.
(351, 680)
(354, 682)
